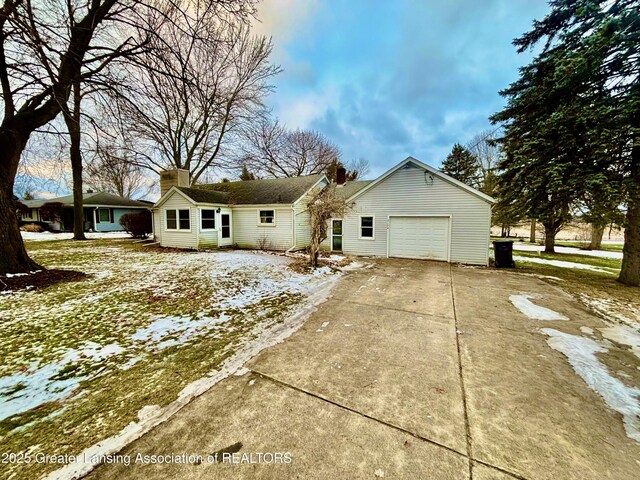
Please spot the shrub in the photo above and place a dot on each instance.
(32, 227)
(138, 225)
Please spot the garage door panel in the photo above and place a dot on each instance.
(419, 237)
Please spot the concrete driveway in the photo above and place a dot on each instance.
(411, 370)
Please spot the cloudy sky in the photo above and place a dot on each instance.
(388, 79)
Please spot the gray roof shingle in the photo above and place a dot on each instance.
(200, 195)
(264, 191)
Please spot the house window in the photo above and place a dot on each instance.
(178, 220)
(27, 214)
(366, 227)
(104, 215)
(183, 220)
(267, 217)
(208, 219)
(172, 224)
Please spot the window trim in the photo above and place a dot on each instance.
(373, 227)
(260, 224)
(215, 220)
(109, 212)
(177, 229)
(341, 235)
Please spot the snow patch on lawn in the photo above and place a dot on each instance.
(581, 353)
(572, 250)
(54, 381)
(563, 264)
(609, 310)
(533, 311)
(623, 335)
(167, 331)
(152, 415)
(44, 236)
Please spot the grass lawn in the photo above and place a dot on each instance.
(81, 359)
(612, 264)
(599, 290)
(609, 247)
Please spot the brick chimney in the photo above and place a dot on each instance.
(341, 175)
(177, 177)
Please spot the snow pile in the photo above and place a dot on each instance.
(581, 353)
(533, 311)
(563, 264)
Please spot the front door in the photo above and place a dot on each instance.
(336, 235)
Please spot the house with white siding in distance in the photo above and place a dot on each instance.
(411, 211)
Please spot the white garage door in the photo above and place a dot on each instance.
(419, 237)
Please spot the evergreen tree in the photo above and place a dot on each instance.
(573, 116)
(246, 174)
(462, 165)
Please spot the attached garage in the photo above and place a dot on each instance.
(419, 237)
(415, 211)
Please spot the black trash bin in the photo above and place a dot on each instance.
(503, 251)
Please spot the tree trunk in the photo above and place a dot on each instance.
(630, 271)
(532, 232)
(72, 119)
(549, 240)
(13, 256)
(597, 232)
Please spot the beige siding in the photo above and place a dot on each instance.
(178, 238)
(247, 233)
(408, 192)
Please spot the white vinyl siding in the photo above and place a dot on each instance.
(301, 218)
(247, 233)
(410, 191)
(178, 238)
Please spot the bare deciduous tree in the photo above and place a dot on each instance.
(46, 46)
(323, 205)
(487, 152)
(117, 172)
(271, 150)
(186, 105)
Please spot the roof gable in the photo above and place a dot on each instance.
(410, 161)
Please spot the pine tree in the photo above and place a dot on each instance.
(462, 165)
(574, 115)
(246, 174)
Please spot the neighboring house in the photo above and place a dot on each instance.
(411, 211)
(102, 211)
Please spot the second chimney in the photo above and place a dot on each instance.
(341, 175)
(177, 177)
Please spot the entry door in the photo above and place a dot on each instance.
(225, 229)
(419, 237)
(336, 235)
